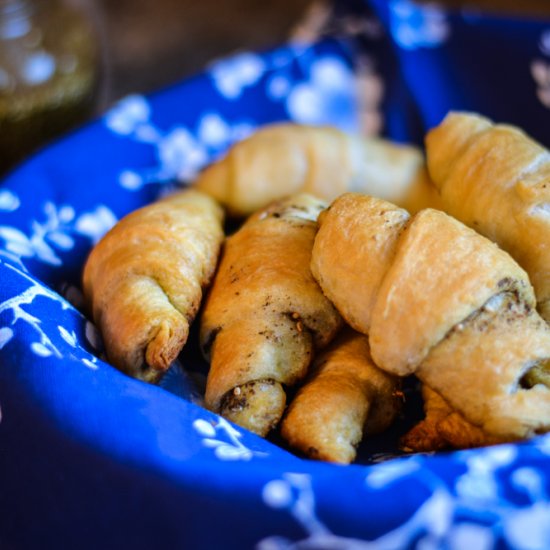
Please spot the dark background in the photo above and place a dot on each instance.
(151, 43)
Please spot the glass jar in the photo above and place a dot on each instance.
(49, 61)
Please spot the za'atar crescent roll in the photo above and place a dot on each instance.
(143, 282)
(496, 179)
(265, 314)
(281, 159)
(344, 397)
(441, 302)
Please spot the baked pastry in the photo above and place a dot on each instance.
(444, 428)
(143, 281)
(351, 254)
(345, 396)
(282, 159)
(446, 304)
(265, 314)
(496, 179)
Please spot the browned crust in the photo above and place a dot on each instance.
(143, 281)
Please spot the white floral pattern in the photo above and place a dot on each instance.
(233, 75)
(328, 91)
(180, 153)
(418, 26)
(294, 493)
(53, 234)
(463, 516)
(20, 308)
(224, 439)
(9, 201)
(331, 88)
(540, 70)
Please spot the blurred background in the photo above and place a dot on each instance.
(151, 43)
(65, 61)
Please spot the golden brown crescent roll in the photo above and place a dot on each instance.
(370, 229)
(496, 179)
(282, 159)
(265, 314)
(444, 303)
(344, 397)
(143, 281)
(444, 428)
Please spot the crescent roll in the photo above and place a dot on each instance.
(496, 179)
(344, 397)
(143, 281)
(265, 314)
(282, 159)
(444, 428)
(443, 303)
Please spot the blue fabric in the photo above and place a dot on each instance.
(90, 458)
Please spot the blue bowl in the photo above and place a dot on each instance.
(92, 458)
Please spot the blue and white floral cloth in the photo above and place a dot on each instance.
(90, 458)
